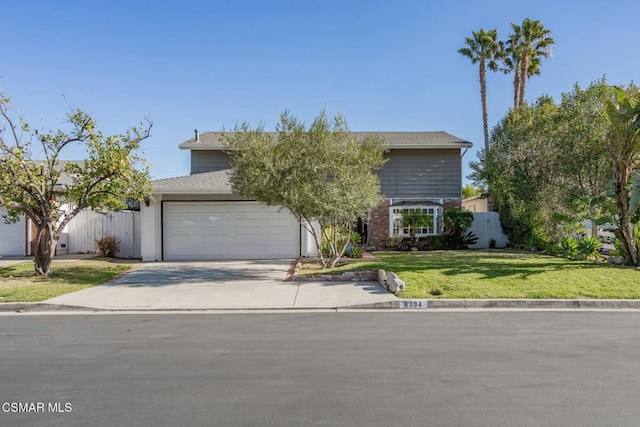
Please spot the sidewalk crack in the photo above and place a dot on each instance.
(295, 299)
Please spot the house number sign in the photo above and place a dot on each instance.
(413, 303)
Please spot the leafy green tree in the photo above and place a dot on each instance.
(39, 187)
(322, 174)
(518, 169)
(623, 143)
(484, 49)
(553, 163)
(525, 48)
(582, 161)
(470, 191)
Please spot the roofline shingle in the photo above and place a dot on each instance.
(216, 182)
(395, 140)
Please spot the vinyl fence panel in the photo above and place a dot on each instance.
(88, 226)
(486, 225)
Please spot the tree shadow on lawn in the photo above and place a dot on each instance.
(73, 276)
(491, 271)
(15, 271)
(494, 265)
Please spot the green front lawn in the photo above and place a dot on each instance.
(504, 274)
(18, 284)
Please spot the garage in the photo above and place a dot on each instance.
(12, 238)
(227, 230)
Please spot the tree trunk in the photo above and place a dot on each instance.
(629, 250)
(523, 78)
(483, 99)
(594, 228)
(46, 242)
(516, 86)
(338, 251)
(307, 224)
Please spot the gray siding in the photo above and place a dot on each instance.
(421, 174)
(432, 173)
(200, 197)
(208, 161)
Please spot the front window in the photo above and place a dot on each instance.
(429, 226)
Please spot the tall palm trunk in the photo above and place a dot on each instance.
(524, 66)
(483, 99)
(516, 87)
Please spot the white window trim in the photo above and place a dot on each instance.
(436, 218)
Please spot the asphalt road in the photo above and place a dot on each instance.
(321, 369)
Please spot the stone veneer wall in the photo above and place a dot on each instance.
(379, 222)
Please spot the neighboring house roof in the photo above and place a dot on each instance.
(65, 179)
(416, 202)
(216, 182)
(472, 198)
(396, 140)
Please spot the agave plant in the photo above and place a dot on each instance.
(568, 247)
(588, 247)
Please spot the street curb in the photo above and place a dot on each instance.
(387, 305)
(507, 303)
(41, 306)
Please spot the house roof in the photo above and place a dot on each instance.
(396, 140)
(216, 182)
(418, 202)
(477, 197)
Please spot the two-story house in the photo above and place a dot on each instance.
(199, 217)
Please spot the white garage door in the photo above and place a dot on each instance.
(12, 238)
(228, 230)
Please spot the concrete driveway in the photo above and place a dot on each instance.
(220, 285)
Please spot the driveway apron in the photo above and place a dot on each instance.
(220, 285)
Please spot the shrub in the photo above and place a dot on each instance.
(432, 243)
(405, 245)
(342, 235)
(109, 246)
(588, 247)
(394, 242)
(469, 239)
(635, 234)
(617, 248)
(353, 251)
(533, 244)
(567, 247)
(456, 223)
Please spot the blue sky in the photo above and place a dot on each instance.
(386, 66)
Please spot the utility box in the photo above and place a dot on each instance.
(63, 244)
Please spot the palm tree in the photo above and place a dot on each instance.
(527, 45)
(623, 141)
(485, 49)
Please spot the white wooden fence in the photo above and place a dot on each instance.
(486, 225)
(88, 226)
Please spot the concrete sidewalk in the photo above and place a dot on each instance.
(221, 285)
